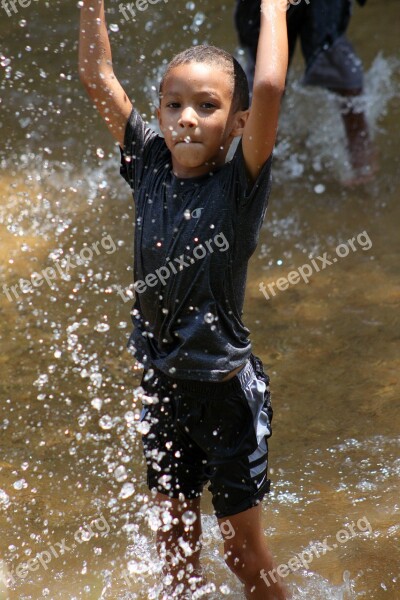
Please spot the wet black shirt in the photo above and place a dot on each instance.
(193, 240)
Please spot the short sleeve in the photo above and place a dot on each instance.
(139, 144)
(251, 198)
(250, 193)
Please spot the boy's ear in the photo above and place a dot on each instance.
(239, 122)
(158, 113)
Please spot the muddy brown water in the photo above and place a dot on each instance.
(72, 478)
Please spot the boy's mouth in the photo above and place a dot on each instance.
(186, 140)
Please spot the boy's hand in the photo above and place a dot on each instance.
(269, 84)
(96, 71)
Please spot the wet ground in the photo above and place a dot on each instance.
(72, 478)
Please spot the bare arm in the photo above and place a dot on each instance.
(269, 83)
(96, 71)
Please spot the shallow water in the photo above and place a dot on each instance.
(70, 452)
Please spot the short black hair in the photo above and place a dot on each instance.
(211, 55)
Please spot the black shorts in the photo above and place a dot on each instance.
(320, 25)
(196, 432)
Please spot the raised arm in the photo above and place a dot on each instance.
(96, 71)
(269, 83)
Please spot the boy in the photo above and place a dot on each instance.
(206, 414)
(331, 63)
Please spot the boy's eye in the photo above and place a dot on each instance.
(207, 105)
(173, 105)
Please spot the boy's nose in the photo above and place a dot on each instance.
(188, 117)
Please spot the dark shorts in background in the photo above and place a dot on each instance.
(197, 432)
(320, 27)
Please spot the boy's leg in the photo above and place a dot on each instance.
(174, 466)
(180, 545)
(248, 556)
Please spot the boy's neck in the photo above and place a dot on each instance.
(208, 168)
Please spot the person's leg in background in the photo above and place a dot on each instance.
(331, 62)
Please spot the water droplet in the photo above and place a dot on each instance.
(189, 517)
(120, 473)
(198, 20)
(20, 484)
(96, 379)
(319, 188)
(164, 481)
(186, 214)
(225, 590)
(127, 490)
(137, 568)
(101, 327)
(143, 427)
(208, 317)
(149, 375)
(100, 152)
(114, 27)
(130, 417)
(22, 23)
(4, 499)
(97, 403)
(172, 370)
(41, 380)
(106, 422)
(82, 419)
(85, 535)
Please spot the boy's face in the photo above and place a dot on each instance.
(196, 118)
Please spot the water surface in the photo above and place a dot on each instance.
(70, 452)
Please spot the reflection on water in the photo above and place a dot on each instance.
(70, 452)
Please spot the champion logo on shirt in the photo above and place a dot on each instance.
(196, 213)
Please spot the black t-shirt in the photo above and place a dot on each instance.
(193, 240)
